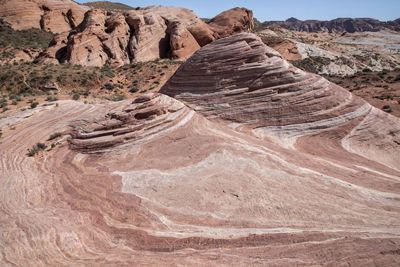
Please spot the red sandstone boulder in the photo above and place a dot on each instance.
(232, 21)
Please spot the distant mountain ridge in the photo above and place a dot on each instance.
(339, 25)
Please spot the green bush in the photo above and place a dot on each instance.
(34, 104)
(54, 136)
(387, 108)
(134, 90)
(109, 86)
(76, 96)
(35, 149)
(51, 98)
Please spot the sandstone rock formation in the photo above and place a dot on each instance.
(264, 164)
(248, 86)
(137, 35)
(337, 25)
(232, 21)
(100, 38)
(51, 15)
(142, 35)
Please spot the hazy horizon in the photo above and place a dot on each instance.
(383, 10)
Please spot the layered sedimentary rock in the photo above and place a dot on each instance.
(142, 35)
(51, 15)
(146, 116)
(242, 80)
(262, 165)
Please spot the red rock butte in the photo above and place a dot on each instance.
(253, 162)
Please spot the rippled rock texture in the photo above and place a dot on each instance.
(253, 163)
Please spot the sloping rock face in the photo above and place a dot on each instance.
(282, 169)
(337, 25)
(235, 72)
(51, 15)
(143, 35)
(248, 85)
(232, 21)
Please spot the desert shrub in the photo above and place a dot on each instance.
(109, 86)
(387, 108)
(107, 71)
(31, 38)
(34, 104)
(117, 97)
(35, 149)
(312, 64)
(54, 136)
(134, 90)
(3, 103)
(76, 96)
(51, 98)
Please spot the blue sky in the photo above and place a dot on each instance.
(283, 9)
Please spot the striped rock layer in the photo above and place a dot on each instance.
(253, 163)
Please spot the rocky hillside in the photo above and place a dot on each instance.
(56, 16)
(141, 35)
(337, 25)
(21, 45)
(116, 34)
(249, 161)
(336, 54)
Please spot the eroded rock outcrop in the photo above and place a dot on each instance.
(232, 21)
(146, 116)
(144, 34)
(51, 15)
(99, 39)
(135, 36)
